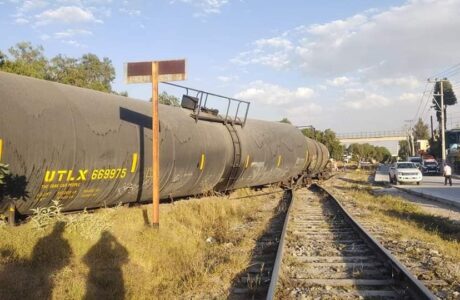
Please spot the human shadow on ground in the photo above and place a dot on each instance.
(33, 279)
(105, 278)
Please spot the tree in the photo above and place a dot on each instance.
(449, 99)
(26, 60)
(368, 152)
(310, 133)
(98, 73)
(382, 154)
(87, 71)
(420, 131)
(167, 99)
(123, 93)
(328, 138)
(404, 149)
(285, 120)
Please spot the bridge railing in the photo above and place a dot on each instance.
(375, 134)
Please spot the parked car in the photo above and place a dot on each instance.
(417, 160)
(406, 171)
(430, 166)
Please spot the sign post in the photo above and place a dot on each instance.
(154, 72)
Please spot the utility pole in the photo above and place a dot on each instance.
(410, 137)
(412, 146)
(443, 129)
(432, 132)
(443, 133)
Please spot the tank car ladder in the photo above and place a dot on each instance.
(236, 165)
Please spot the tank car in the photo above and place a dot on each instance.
(89, 149)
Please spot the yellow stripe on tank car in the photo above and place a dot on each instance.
(246, 164)
(1, 148)
(203, 159)
(134, 164)
(279, 161)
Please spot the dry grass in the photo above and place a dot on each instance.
(415, 234)
(200, 247)
(412, 220)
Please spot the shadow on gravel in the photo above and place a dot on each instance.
(446, 228)
(254, 281)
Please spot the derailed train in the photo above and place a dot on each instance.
(89, 149)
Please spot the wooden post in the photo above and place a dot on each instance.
(154, 72)
(155, 149)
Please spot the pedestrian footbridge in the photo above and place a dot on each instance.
(375, 136)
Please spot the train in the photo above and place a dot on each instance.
(89, 149)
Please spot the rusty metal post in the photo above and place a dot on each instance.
(155, 149)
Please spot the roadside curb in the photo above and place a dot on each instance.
(430, 197)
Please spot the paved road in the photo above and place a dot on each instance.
(431, 186)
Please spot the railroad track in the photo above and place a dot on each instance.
(254, 281)
(324, 253)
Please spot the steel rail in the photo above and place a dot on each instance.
(414, 287)
(279, 253)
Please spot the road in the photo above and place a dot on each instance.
(431, 186)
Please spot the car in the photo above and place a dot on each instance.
(430, 166)
(403, 172)
(417, 160)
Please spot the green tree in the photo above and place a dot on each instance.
(328, 138)
(382, 154)
(25, 59)
(310, 133)
(167, 99)
(87, 71)
(65, 70)
(420, 131)
(123, 93)
(404, 149)
(368, 152)
(449, 99)
(285, 120)
(99, 74)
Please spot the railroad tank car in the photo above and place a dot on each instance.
(318, 156)
(89, 149)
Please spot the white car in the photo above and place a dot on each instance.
(406, 171)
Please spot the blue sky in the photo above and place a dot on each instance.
(334, 64)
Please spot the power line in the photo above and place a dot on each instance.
(449, 69)
(420, 104)
(425, 110)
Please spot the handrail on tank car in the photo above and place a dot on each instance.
(199, 95)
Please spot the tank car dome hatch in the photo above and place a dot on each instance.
(189, 102)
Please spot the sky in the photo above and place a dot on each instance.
(351, 66)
